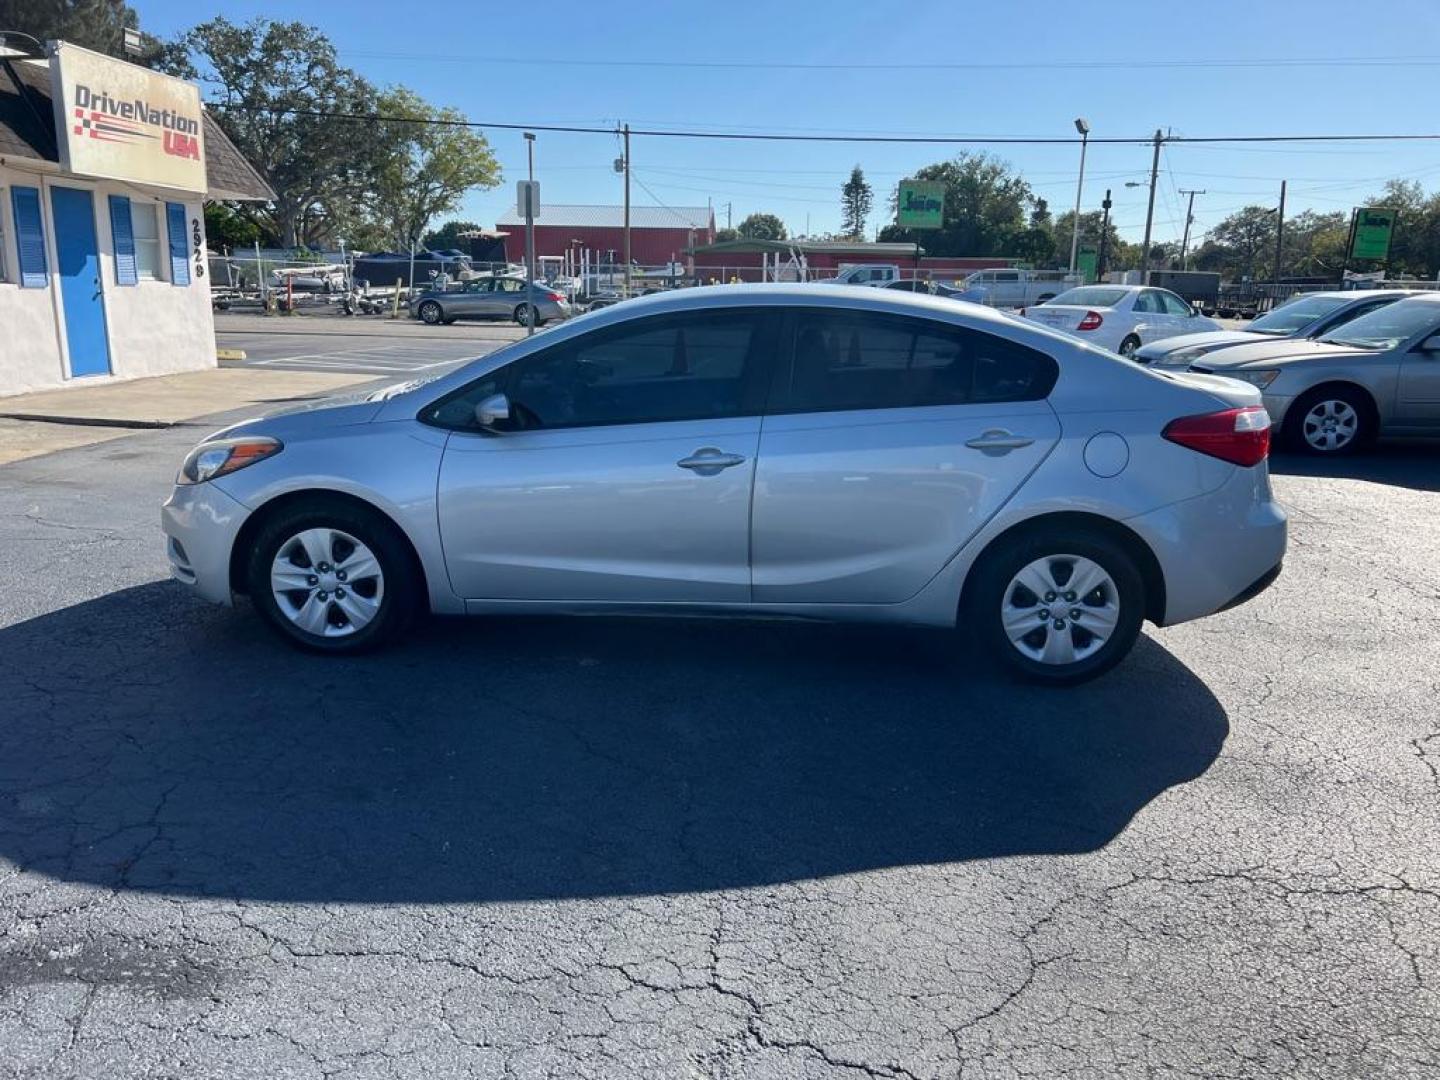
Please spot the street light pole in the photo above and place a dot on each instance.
(1084, 129)
(530, 238)
(1150, 209)
(1189, 220)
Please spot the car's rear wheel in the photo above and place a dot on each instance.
(333, 578)
(1129, 345)
(524, 313)
(1330, 422)
(1057, 606)
(431, 313)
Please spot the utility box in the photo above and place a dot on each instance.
(1198, 287)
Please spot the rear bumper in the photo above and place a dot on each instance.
(1217, 549)
(200, 523)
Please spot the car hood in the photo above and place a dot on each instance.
(1208, 339)
(1282, 351)
(309, 416)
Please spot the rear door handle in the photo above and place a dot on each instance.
(710, 460)
(998, 441)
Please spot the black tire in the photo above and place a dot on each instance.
(403, 588)
(986, 598)
(1129, 345)
(520, 315)
(1366, 428)
(431, 313)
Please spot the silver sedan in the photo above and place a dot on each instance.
(491, 298)
(754, 450)
(1376, 375)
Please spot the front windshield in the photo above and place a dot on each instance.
(1388, 326)
(1293, 316)
(1090, 296)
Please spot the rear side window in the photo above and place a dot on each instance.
(854, 360)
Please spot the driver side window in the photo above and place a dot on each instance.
(1174, 305)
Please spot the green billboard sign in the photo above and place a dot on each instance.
(921, 204)
(1373, 226)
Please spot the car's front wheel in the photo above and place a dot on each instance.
(333, 577)
(1058, 606)
(1330, 422)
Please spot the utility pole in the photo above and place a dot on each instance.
(530, 237)
(1104, 251)
(1280, 233)
(1083, 128)
(1189, 220)
(627, 209)
(1150, 209)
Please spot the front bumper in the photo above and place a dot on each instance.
(200, 523)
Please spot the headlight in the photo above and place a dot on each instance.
(1262, 379)
(1184, 356)
(220, 457)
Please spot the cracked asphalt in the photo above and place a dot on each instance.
(598, 848)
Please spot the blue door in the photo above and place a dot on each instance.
(77, 248)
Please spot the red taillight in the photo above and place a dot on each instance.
(555, 297)
(1091, 321)
(1239, 436)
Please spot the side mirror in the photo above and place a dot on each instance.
(492, 410)
(1431, 344)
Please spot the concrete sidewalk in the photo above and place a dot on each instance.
(35, 424)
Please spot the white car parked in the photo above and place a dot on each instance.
(1120, 317)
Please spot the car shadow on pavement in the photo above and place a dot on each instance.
(1410, 463)
(153, 743)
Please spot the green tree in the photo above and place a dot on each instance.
(278, 86)
(1415, 241)
(1035, 245)
(428, 160)
(856, 199)
(1315, 243)
(1040, 214)
(228, 228)
(762, 227)
(1242, 245)
(448, 235)
(985, 207)
(723, 235)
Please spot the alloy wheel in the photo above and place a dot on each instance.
(1060, 609)
(327, 582)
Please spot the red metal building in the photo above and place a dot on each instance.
(658, 234)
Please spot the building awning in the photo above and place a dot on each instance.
(27, 133)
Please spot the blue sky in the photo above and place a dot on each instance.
(1080, 52)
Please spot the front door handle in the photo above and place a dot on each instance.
(997, 441)
(710, 460)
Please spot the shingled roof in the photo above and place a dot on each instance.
(27, 130)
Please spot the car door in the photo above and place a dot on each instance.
(889, 441)
(625, 471)
(1149, 313)
(1180, 317)
(505, 297)
(1009, 289)
(469, 300)
(1418, 388)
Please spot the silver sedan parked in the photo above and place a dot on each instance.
(491, 298)
(1376, 375)
(754, 450)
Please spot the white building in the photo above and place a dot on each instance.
(104, 168)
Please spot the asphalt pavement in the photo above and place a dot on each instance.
(605, 848)
(364, 344)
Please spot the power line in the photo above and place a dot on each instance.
(1128, 63)
(680, 133)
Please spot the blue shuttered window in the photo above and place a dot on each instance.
(179, 244)
(122, 230)
(30, 237)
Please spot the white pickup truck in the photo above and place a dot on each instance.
(1017, 288)
(877, 274)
